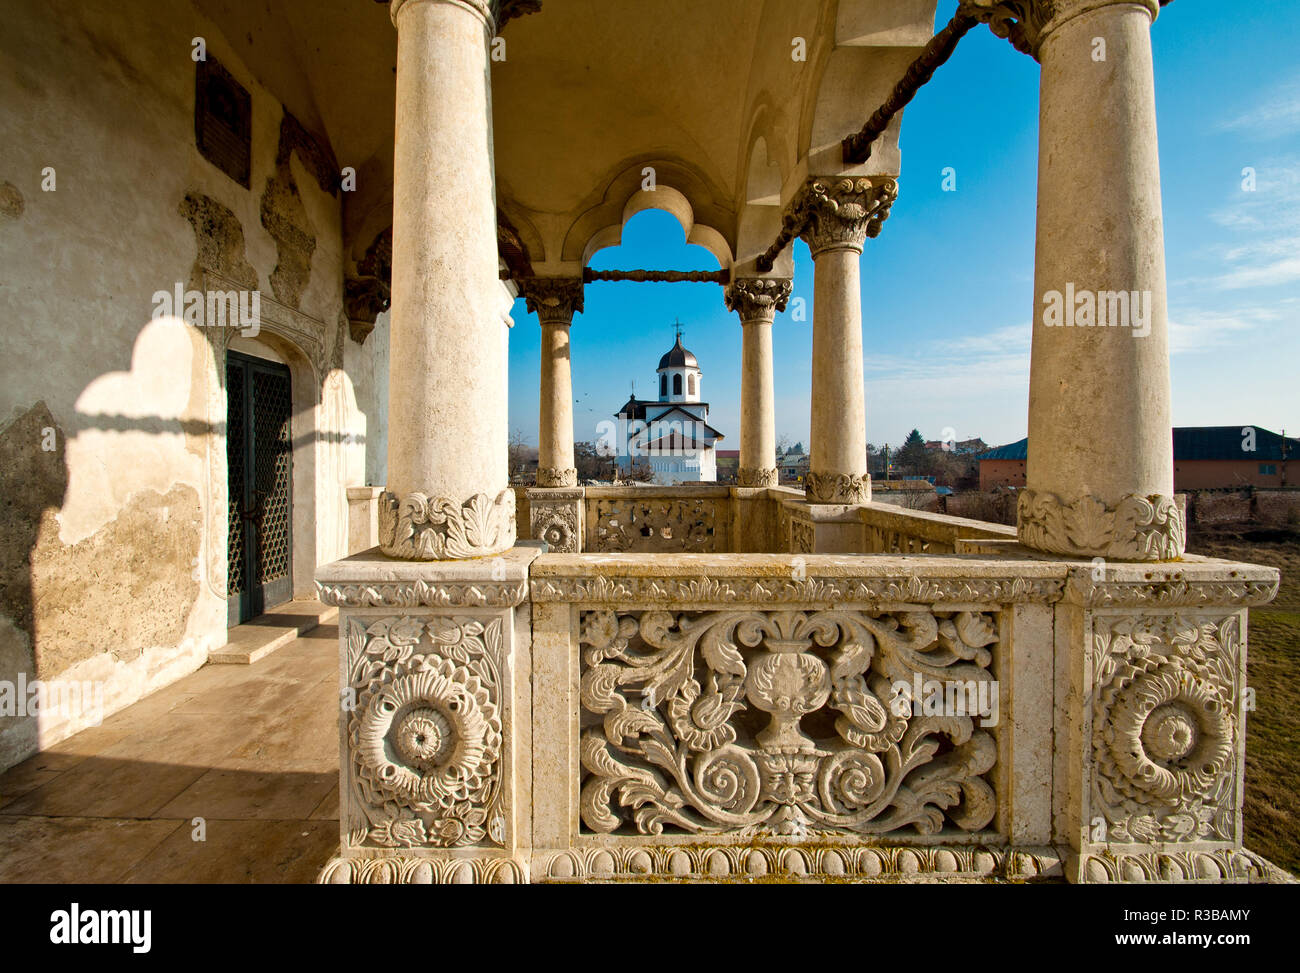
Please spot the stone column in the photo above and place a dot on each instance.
(554, 300)
(447, 495)
(837, 215)
(1100, 471)
(756, 300)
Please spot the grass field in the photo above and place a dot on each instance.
(1273, 670)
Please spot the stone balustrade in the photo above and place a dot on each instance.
(708, 716)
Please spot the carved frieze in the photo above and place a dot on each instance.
(424, 732)
(740, 590)
(673, 753)
(421, 528)
(420, 593)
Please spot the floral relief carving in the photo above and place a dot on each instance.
(837, 488)
(421, 528)
(657, 525)
(843, 212)
(556, 524)
(749, 476)
(557, 476)
(1136, 529)
(425, 733)
(802, 535)
(1166, 727)
(676, 739)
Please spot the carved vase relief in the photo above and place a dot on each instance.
(781, 722)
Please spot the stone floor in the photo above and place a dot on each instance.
(252, 750)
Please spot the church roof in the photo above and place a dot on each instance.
(678, 357)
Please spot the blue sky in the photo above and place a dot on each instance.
(948, 286)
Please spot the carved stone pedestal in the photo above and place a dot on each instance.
(435, 748)
(556, 517)
(1151, 767)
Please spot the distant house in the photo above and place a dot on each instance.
(793, 465)
(1205, 458)
(728, 463)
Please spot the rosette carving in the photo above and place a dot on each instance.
(419, 528)
(673, 751)
(1150, 528)
(425, 734)
(843, 212)
(1165, 726)
(556, 524)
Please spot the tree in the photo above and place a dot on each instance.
(912, 456)
(782, 446)
(591, 463)
(518, 452)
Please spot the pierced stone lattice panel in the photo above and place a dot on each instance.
(656, 525)
(782, 723)
(273, 459)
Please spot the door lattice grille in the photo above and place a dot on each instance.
(235, 446)
(273, 455)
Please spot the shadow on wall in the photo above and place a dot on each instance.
(33, 484)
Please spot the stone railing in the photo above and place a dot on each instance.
(740, 520)
(604, 716)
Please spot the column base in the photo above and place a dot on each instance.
(556, 516)
(754, 476)
(434, 729)
(837, 488)
(1151, 528)
(417, 527)
(555, 476)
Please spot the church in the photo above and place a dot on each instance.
(671, 435)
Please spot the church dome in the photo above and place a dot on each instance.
(678, 357)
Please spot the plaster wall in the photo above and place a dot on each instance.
(112, 424)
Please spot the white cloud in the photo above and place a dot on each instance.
(1277, 114)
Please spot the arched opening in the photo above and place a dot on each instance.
(663, 386)
(677, 384)
(690, 385)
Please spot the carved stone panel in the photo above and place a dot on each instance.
(424, 736)
(784, 723)
(657, 525)
(1166, 730)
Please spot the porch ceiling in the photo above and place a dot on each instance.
(592, 91)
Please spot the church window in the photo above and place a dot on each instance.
(677, 385)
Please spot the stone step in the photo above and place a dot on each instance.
(247, 643)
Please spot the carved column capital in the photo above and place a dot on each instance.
(1027, 23)
(553, 299)
(840, 213)
(556, 476)
(758, 298)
